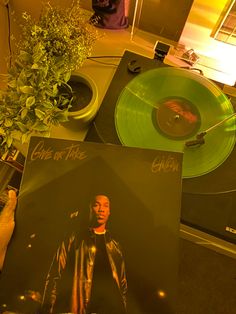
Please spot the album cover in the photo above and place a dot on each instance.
(51, 264)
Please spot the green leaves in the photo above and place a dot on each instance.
(24, 56)
(24, 113)
(25, 138)
(2, 132)
(54, 90)
(21, 126)
(61, 116)
(50, 49)
(67, 76)
(38, 52)
(40, 126)
(9, 141)
(40, 114)
(35, 66)
(8, 122)
(47, 104)
(26, 89)
(12, 84)
(30, 101)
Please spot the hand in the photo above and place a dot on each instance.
(7, 224)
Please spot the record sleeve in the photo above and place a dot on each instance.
(60, 178)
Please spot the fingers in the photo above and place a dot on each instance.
(8, 210)
(7, 224)
(12, 200)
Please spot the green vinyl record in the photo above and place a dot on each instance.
(167, 107)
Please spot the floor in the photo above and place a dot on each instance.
(207, 281)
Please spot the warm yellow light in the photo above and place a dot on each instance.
(161, 294)
(93, 249)
(74, 214)
(33, 295)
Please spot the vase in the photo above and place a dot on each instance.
(85, 102)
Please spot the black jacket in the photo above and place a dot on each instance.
(69, 281)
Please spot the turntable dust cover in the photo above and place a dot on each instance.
(143, 187)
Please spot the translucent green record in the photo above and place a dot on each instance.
(166, 107)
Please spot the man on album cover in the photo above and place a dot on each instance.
(87, 274)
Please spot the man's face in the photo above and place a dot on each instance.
(101, 209)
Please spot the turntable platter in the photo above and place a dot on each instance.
(164, 107)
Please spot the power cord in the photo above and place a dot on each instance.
(93, 58)
(9, 31)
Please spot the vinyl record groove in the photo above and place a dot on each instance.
(165, 107)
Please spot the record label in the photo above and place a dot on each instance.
(176, 118)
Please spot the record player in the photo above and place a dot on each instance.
(150, 104)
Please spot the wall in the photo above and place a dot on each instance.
(33, 8)
(16, 8)
(196, 33)
(4, 48)
(86, 4)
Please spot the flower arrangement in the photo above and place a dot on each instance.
(50, 49)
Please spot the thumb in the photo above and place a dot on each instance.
(7, 213)
(7, 224)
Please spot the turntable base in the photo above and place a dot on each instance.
(208, 200)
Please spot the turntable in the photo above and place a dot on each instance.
(175, 109)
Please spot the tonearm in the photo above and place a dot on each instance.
(200, 136)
